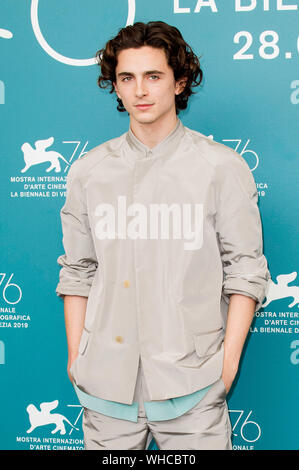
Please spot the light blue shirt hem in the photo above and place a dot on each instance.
(107, 407)
(157, 410)
(173, 407)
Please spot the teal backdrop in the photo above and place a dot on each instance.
(51, 110)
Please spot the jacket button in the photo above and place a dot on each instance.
(119, 339)
(126, 283)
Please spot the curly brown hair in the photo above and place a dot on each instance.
(180, 57)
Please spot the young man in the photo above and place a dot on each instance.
(163, 266)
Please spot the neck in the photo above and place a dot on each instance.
(150, 134)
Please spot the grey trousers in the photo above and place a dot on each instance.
(206, 426)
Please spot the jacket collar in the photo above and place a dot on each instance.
(137, 150)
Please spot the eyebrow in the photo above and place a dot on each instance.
(148, 72)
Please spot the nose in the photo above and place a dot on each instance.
(140, 89)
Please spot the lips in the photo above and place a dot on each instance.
(143, 106)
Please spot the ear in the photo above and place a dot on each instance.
(116, 89)
(180, 85)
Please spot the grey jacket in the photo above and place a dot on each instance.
(158, 239)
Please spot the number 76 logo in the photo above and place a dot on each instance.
(246, 425)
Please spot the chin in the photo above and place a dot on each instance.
(145, 119)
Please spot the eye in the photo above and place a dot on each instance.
(156, 76)
(124, 79)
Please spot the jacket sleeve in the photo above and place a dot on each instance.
(79, 262)
(239, 231)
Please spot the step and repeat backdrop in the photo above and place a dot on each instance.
(52, 112)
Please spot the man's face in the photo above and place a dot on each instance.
(143, 76)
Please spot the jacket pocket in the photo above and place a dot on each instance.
(83, 341)
(208, 342)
